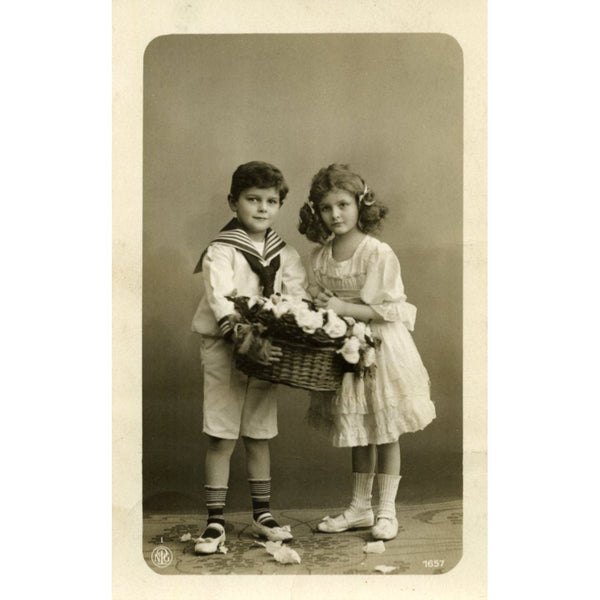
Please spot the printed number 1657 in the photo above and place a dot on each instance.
(433, 564)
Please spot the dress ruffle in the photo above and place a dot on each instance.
(379, 409)
(381, 427)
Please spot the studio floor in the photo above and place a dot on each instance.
(429, 542)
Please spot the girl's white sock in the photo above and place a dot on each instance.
(362, 491)
(388, 488)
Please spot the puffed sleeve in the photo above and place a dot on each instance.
(217, 273)
(293, 275)
(383, 289)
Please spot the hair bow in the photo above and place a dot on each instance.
(311, 208)
(362, 197)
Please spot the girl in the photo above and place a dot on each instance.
(358, 276)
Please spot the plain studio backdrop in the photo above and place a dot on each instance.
(390, 106)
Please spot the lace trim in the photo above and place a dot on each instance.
(352, 430)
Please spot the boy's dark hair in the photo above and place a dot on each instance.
(371, 213)
(258, 174)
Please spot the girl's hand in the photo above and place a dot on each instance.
(323, 297)
(326, 299)
(338, 306)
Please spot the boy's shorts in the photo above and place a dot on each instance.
(234, 404)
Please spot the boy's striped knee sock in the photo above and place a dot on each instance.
(215, 504)
(260, 492)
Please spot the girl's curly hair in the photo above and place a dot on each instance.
(371, 211)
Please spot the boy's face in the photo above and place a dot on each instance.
(256, 209)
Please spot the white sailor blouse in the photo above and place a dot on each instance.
(231, 265)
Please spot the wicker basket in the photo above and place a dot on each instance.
(310, 368)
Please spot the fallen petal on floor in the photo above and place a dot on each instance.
(286, 556)
(283, 554)
(272, 547)
(385, 568)
(374, 547)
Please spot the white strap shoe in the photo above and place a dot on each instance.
(385, 528)
(273, 534)
(210, 545)
(347, 520)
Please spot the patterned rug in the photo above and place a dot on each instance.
(429, 542)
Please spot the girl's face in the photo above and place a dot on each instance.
(339, 211)
(256, 209)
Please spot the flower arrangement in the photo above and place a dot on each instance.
(290, 322)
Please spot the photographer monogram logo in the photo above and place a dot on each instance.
(161, 556)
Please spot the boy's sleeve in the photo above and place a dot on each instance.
(217, 273)
(383, 289)
(293, 275)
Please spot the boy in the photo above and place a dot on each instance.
(248, 259)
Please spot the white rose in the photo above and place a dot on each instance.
(308, 320)
(350, 350)
(295, 303)
(268, 305)
(369, 357)
(335, 327)
(359, 329)
(281, 308)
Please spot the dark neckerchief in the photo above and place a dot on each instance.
(233, 235)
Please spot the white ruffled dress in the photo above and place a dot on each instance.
(373, 410)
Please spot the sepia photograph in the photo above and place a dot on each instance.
(317, 177)
(300, 351)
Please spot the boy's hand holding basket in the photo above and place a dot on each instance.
(290, 341)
